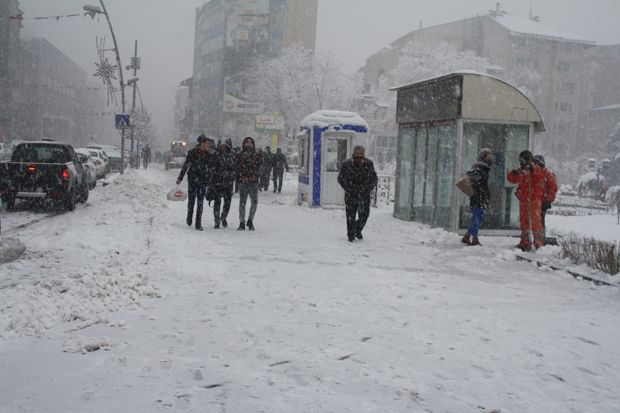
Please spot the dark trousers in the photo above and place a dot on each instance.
(545, 207)
(246, 189)
(196, 194)
(278, 176)
(358, 210)
(264, 181)
(227, 197)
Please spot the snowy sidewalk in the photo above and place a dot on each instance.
(291, 317)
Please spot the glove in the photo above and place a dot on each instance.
(179, 181)
(515, 171)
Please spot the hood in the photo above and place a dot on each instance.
(248, 139)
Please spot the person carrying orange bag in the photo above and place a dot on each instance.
(530, 180)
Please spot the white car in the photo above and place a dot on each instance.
(89, 163)
(101, 162)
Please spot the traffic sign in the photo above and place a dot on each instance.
(122, 121)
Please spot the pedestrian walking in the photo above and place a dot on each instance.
(358, 178)
(479, 201)
(279, 163)
(223, 181)
(196, 168)
(247, 169)
(551, 189)
(146, 156)
(265, 167)
(530, 180)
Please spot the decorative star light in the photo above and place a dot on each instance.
(106, 71)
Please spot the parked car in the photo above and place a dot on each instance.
(48, 171)
(101, 162)
(112, 153)
(89, 166)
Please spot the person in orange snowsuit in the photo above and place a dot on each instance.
(530, 180)
(551, 188)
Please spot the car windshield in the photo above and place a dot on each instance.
(41, 153)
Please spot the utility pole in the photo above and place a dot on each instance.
(135, 66)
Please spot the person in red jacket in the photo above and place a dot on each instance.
(551, 188)
(530, 180)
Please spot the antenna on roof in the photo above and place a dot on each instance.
(498, 11)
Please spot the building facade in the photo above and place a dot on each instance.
(550, 63)
(10, 26)
(53, 95)
(229, 35)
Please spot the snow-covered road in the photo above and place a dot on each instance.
(291, 317)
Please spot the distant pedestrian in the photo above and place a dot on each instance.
(146, 156)
(223, 182)
(196, 168)
(358, 178)
(530, 180)
(279, 164)
(479, 201)
(551, 189)
(247, 169)
(265, 168)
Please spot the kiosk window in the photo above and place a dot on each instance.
(336, 154)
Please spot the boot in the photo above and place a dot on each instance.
(474, 241)
(224, 223)
(241, 226)
(199, 227)
(466, 239)
(250, 225)
(189, 218)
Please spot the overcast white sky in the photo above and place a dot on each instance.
(352, 29)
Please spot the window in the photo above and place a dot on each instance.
(563, 107)
(336, 152)
(302, 144)
(564, 66)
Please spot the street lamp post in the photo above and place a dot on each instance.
(91, 11)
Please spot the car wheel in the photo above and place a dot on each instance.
(10, 203)
(84, 196)
(70, 201)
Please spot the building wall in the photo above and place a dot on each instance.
(229, 35)
(551, 69)
(9, 68)
(53, 94)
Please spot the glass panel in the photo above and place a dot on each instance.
(336, 152)
(405, 170)
(431, 167)
(445, 177)
(302, 144)
(420, 168)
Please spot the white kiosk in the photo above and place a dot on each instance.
(325, 140)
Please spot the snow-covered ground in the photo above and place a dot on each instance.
(603, 227)
(120, 307)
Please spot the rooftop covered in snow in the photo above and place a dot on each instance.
(522, 26)
(335, 118)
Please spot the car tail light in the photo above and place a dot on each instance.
(32, 168)
(65, 174)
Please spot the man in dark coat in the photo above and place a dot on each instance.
(146, 156)
(479, 201)
(196, 166)
(265, 169)
(279, 164)
(248, 167)
(358, 178)
(223, 181)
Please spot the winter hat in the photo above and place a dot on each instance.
(202, 138)
(228, 142)
(248, 139)
(525, 157)
(485, 155)
(540, 159)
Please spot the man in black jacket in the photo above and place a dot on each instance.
(196, 167)
(247, 171)
(279, 164)
(358, 178)
(479, 201)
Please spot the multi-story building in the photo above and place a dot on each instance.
(53, 94)
(518, 48)
(10, 25)
(603, 96)
(229, 35)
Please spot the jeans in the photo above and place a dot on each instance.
(226, 195)
(196, 194)
(246, 189)
(477, 214)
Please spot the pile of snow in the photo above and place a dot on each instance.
(326, 118)
(10, 249)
